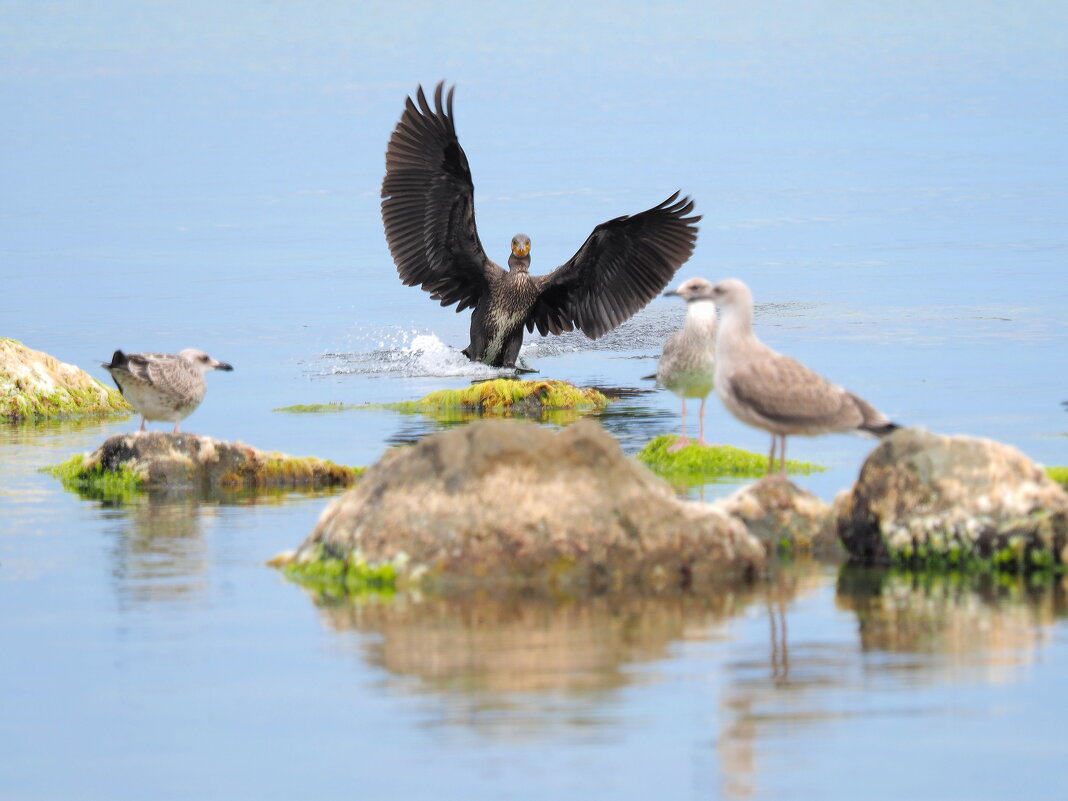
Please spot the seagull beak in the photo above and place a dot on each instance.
(670, 292)
(223, 366)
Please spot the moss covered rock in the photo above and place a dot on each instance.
(925, 500)
(512, 503)
(154, 460)
(35, 385)
(508, 397)
(696, 463)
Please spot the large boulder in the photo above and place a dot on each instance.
(35, 385)
(513, 503)
(158, 461)
(922, 498)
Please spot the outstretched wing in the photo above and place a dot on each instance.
(428, 206)
(623, 265)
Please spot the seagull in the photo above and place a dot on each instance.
(687, 364)
(163, 386)
(773, 392)
(429, 215)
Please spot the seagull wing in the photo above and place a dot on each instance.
(622, 265)
(428, 206)
(784, 391)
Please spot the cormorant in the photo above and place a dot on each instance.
(429, 215)
(163, 386)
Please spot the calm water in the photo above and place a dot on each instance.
(890, 179)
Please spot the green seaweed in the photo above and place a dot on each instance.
(502, 396)
(1058, 474)
(95, 482)
(320, 408)
(698, 462)
(335, 576)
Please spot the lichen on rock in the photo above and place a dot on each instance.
(510, 503)
(35, 385)
(924, 500)
(154, 460)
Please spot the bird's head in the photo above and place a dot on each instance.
(520, 258)
(731, 294)
(693, 289)
(203, 361)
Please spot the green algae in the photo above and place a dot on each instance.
(336, 576)
(696, 462)
(502, 396)
(95, 482)
(320, 408)
(1058, 474)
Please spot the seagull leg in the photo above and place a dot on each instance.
(782, 455)
(176, 431)
(681, 442)
(142, 428)
(701, 428)
(771, 456)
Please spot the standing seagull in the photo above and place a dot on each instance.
(163, 386)
(688, 362)
(429, 213)
(774, 392)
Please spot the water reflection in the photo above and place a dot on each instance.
(987, 626)
(160, 552)
(912, 631)
(500, 646)
(629, 418)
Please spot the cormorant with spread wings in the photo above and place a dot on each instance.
(429, 214)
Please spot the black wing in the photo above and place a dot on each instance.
(623, 265)
(428, 206)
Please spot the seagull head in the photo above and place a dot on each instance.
(692, 289)
(202, 361)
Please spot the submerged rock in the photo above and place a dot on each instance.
(35, 385)
(155, 460)
(513, 503)
(784, 517)
(922, 498)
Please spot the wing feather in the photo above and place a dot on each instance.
(428, 205)
(621, 266)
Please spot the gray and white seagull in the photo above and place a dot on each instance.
(688, 362)
(163, 386)
(773, 392)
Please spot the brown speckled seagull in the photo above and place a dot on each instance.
(773, 392)
(429, 214)
(163, 386)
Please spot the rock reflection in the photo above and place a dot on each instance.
(159, 552)
(987, 625)
(913, 631)
(491, 645)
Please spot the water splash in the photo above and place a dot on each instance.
(406, 354)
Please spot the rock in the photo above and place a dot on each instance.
(513, 503)
(34, 384)
(784, 517)
(155, 460)
(922, 498)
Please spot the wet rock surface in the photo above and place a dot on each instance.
(510, 502)
(931, 499)
(190, 461)
(35, 385)
(784, 517)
